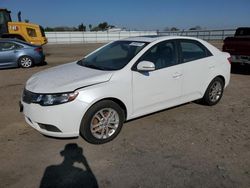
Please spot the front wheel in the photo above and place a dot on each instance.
(214, 92)
(25, 62)
(102, 122)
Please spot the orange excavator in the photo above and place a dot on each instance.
(28, 32)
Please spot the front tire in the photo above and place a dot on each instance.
(25, 62)
(102, 122)
(214, 92)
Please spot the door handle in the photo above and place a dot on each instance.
(15, 51)
(177, 75)
(211, 67)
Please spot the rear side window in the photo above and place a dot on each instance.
(7, 46)
(243, 32)
(31, 32)
(193, 50)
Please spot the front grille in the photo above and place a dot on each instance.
(29, 97)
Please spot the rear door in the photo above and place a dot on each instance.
(196, 66)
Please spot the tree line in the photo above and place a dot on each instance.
(177, 29)
(103, 26)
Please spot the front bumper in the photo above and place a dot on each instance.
(62, 120)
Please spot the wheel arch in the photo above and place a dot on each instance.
(218, 76)
(206, 99)
(84, 129)
(24, 55)
(117, 101)
(210, 80)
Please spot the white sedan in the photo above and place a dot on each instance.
(123, 80)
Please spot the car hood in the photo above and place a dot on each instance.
(66, 78)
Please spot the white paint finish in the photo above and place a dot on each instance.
(201, 69)
(67, 117)
(141, 93)
(65, 78)
(152, 88)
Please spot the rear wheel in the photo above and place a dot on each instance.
(214, 92)
(102, 122)
(25, 62)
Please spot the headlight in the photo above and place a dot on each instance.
(55, 99)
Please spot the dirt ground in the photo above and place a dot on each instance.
(186, 146)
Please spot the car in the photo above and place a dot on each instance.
(17, 53)
(239, 46)
(123, 80)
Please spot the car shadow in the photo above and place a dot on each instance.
(8, 68)
(240, 69)
(43, 63)
(66, 174)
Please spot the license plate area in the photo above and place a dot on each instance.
(244, 58)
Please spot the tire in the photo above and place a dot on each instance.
(25, 62)
(97, 127)
(214, 92)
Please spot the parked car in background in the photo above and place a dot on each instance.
(123, 80)
(239, 46)
(17, 53)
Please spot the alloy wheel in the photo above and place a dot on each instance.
(104, 123)
(215, 91)
(26, 62)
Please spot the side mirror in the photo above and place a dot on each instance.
(145, 66)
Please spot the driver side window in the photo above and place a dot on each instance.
(162, 55)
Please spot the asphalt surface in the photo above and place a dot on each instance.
(187, 146)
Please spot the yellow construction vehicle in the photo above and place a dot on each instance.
(28, 32)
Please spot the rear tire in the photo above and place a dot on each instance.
(214, 92)
(102, 122)
(25, 62)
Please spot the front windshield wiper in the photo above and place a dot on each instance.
(80, 62)
(92, 66)
(84, 64)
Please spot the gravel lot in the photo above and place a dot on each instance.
(187, 146)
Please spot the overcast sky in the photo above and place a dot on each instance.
(134, 14)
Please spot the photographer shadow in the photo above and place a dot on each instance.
(66, 174)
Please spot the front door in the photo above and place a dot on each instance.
(161, 88)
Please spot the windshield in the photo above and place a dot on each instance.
(114, 56)
(242, 32)
(4, 17)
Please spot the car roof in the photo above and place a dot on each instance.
(158, 38)
(9, 40)
(153, 38)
